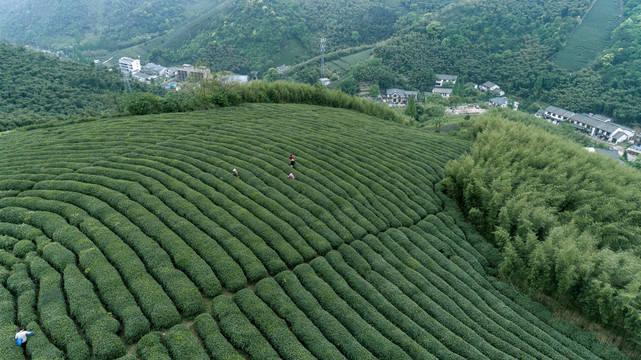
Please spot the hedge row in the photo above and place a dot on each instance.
(183, 293)
(422, 315)
(23, 288)
(8, 347)
(349, 297)
(7, 242)
(172, 165)
(150, 347)
(110, 286)
(240, 332)
(178, 287)
(183, 344)
(274, 328)
(495, 330)
(182, 200)
(217, 346)
(153, 301)
(225, 268)
(53, 311)
(405, 322)
(38, 346)
(100, 328)
(379, 345)
(261, 170)
(273, 295)
(268, 257)
(331, 328)
(482, 293)
(279, 217)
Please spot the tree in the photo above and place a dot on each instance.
(348, 86)
(410, 109)
(374, 91)
(355, 37)
(271, 75)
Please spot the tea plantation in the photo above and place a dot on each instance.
(130, 238)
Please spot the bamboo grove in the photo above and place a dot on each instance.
(129, 238)
(567, 221)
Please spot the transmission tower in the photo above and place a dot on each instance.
(125, 81)
(322, 58)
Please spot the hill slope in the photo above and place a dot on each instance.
(358, 257)
(36, 85)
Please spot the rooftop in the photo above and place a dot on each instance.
(446, 77)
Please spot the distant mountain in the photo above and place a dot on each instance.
(93, 24)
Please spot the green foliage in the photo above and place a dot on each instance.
(22, 247)
(183, 344)
(143, 218)
(38, 88)
(566, 240)
(151, 347)
(215, 343)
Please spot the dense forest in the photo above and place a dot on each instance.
(90, 25)
(38, 87)
(567, 221)
(257, 35)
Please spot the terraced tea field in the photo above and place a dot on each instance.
(591, 37)
(130, 238)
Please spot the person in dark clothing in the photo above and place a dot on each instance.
(235, 173)
(292, 161)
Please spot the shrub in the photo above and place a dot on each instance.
(150, 347)
(58, 256)
(22, 247)
(38, 346)
(183, 344)
(217, 346)
(84, 305)
(304, 329)
(273, 327)
(240, 332)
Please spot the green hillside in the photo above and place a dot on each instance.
(36, 86)
(91, 25)
(591, 36)
(360, 256)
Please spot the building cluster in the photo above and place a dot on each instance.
(597, 126)
(152, 73)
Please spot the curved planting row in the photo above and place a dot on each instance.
(123, 231)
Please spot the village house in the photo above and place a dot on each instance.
(444, 92)
(634, 152)
(198, 73)
(499, 101)
(595, 125)
(129, 65)
(157, 70)
(489, 86)
(442, 79)
(397, 97)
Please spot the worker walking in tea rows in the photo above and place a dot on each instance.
(21, 336)
(292, 161)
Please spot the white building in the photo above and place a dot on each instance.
(596, 125)
(129, 65)
(442, 79)
(444, 92)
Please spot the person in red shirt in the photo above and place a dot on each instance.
(291, 160)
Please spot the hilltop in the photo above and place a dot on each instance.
(359, 256)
